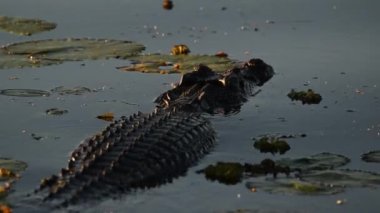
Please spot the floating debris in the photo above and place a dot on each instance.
(108, 116)
(371, 157)
(5, 208)
(55, 51)
(36, 137)
(340, 202)
(23, 26)
(221, 54)
(56, 111)
(308, 97)
(272, 144)
(24, 92)
(167, 4)
(158, 63)
(10, 169)
(71, 91)
(180, 49)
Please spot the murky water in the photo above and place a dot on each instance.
(331, 46)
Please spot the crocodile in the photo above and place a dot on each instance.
(149, 149)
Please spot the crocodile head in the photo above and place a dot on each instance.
(206, 91)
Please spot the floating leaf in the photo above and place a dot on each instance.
(108, 116)
(271, 144)
(320, 161)
(308, 97)
(9, 172)
(344, 178)
(24, 92)
(71, 91)
(161, 63)
(372, 157)
(23, 26)
(293, 186)
(12, 165)
(56, 51)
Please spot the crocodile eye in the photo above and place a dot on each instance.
(180, 49)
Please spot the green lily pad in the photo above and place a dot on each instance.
(71, 91)
(13, 165)
(320, 161)
(24, 92)
(372, 157)
(56, 51)
(24, 26)
(344, 178)
(166, 64)
(293, 186)
(9, 171)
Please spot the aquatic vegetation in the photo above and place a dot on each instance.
(24, 26)
(321, 161)
(371, 157)
(232, 173)
(343, 178)
(55, 51)
(108, 116)
(308, 97)
(56, 111)
(225, 172)
(166, 64)
(9, 171)
(314, 175)
(271, 144)
(293, 186)
(24, 92)
(71, 91)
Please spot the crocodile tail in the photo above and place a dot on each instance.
(143, 150)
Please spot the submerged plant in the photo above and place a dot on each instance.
(271, 144)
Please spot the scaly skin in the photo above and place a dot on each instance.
(146, 150)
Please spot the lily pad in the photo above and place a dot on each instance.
(9, 172)
(166, 64)
(56, 51)
(321, 161)
(71, 91)
(372, 157)
(344, 178)
(24, 92)
(24, 26)
(293, 186)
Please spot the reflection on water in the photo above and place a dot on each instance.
(316, 51)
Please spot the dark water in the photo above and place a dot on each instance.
(332, 46)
